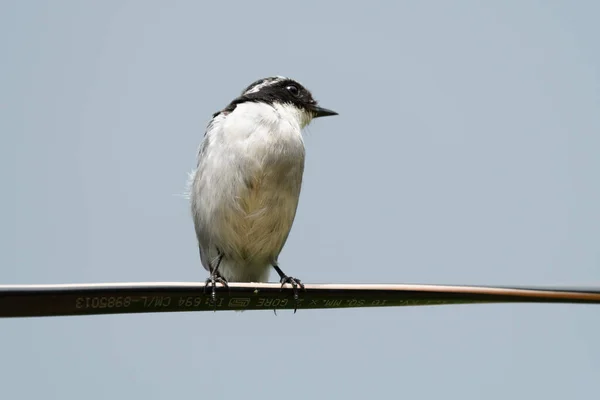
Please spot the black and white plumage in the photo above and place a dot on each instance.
(244, 192)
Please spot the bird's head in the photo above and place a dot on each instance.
(280, 91)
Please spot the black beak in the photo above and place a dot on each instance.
(322, 112)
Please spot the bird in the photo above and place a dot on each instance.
(245, 189)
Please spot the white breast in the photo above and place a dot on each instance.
(245, 191)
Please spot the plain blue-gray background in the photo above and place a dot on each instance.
(465, 152)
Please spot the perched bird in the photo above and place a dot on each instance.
(245, 189)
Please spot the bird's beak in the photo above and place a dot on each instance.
(322, 112)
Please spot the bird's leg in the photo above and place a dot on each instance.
(293, 281)
(215, 277)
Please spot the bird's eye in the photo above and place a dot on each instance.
(293, 90)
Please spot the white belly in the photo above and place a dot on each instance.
(244, 198)
(253, 233)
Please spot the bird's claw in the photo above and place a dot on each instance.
(296, 283)
(212, 281)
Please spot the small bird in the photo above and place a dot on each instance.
(244, 191)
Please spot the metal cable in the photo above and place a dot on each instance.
(125, 298)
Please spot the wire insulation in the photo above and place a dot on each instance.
(126, 298)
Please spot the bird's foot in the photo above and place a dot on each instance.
(212, 281)
(295, 285)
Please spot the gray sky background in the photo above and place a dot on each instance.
(465, 152)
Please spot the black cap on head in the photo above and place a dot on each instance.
(279, 89)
